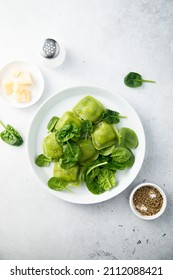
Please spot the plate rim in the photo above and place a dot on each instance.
(93, 88)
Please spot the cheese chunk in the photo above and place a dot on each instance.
(24, 78)
(7, 86)
(15, 87)
(15, 72)
(23, 94)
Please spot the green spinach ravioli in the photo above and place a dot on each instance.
(84, 145)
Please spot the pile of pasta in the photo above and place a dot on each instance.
(84, 144)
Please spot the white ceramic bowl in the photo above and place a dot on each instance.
(64, 101)
(145, 217)
(36, 88)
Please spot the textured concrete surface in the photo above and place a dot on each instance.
(104, 40)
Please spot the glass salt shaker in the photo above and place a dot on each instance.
(52, 53)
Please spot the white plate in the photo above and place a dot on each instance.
(64, 101)
(36, 88)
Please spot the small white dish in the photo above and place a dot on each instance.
(36, 88)
(145, 217)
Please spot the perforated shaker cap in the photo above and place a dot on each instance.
(49, 48)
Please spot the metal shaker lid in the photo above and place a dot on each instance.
(49, 48)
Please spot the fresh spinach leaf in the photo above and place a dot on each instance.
(98, 176)
(69, 131)
(71, 155)
(106, 151)
(128, 138)
(106, 178)
(101, 161)
(42, 160)
(57, 184)
(52, 123)
(86, 128)
(135, 80)
(111, 116)
(91, 181)
(121, 154)
(100, 180)
(130, 161)
(115, 165)
(10, 135)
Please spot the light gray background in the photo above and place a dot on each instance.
(104, 40)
